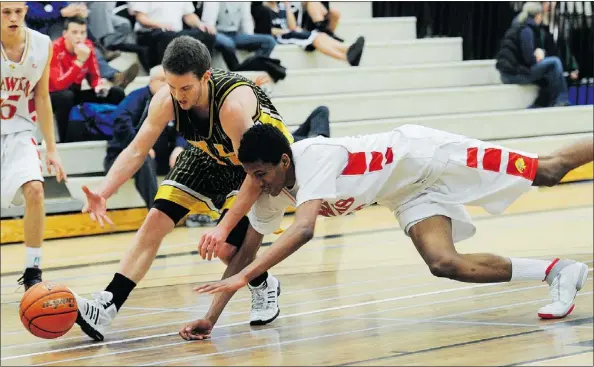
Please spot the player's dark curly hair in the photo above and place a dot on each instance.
(186, 54)
(264, 143)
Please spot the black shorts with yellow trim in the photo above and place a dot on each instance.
(198, 183)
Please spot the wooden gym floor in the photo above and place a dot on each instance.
(358, 294)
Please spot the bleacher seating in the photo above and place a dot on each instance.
(401, 80)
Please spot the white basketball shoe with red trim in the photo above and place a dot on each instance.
(565, 278)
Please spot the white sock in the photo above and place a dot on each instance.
(529, 269)
(33, 259)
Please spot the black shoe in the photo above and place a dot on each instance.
(355, 52)
(30, 277)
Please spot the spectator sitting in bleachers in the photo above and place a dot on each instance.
(559, 48)
(128, 117)
(108, 28)
(521, 59)
(74, 60)
(235, 30)
(318, 15)
(48, 17)
(284, 27)
(158, 23)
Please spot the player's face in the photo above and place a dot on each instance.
(187, 89)
(272, 178)
(75, 34)
(13, 16)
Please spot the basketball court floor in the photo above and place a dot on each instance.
(358, 294)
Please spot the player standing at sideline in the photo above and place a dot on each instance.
(25, 101)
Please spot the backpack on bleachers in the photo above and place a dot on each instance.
(91, 121)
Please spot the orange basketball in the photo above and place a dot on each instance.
(48, 310)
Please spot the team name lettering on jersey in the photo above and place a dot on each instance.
(12, 84)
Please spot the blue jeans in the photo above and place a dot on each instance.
(228, 42)
(105, 70)
(550, 71)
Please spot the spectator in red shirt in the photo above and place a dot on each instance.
(74, 59)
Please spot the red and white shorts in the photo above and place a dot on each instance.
(21, 163)
(471, 172)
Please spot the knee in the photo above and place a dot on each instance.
(156, 224)
(225, 43)
(33, 192)
(269, 42)
(226, 252)
(334, 14)
(551, 170)
(444, 266)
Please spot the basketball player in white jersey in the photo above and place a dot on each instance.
(425, 177)
(25, 103)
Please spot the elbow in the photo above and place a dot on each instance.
(306, 233)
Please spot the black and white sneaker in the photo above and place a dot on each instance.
(265, 301)
(95, 315)
(30, 277)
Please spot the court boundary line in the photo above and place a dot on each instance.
(316, 238)
(86, 346)
(398, 325)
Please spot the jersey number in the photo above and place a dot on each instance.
(8, 107)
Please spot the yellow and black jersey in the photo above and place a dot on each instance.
(208, 134)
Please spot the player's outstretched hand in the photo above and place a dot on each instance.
(196, 330)
(210, 243)
(96, 207)
(226, 285)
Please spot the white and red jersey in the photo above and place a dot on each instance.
(18, 80)
(392, 169)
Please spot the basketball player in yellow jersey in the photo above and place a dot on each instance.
(212, 109)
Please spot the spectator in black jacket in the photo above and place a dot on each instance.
(521, 59)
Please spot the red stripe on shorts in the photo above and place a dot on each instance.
(492, 159)
(376, 161)
(389, 156)
(471, 157)
(520, 165)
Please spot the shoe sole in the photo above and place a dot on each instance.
(550, 316)
(264, 322)
(88, 329)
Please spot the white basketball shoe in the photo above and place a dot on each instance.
(265, 301)
(95, 315)
(565, 278)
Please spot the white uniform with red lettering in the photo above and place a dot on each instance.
(416, 172)
(21, 161)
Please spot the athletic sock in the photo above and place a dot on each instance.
(120, 287)
(529, 269)
(33, 257)
(257, 281)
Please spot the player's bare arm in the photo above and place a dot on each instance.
(200, 329)
(297, 235)
(236, 117)
(131, 158)
(43, 106)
